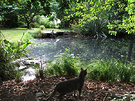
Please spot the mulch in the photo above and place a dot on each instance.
(41, 89)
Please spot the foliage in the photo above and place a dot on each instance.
(27, 9)
(66, 64)
(119, 15)
(42, 27)
(46, 23)
(19, 74)
(34, 33)
(31, 25)
(92, 27)
(9, 16)
(8, 52)
(111, 70)
(37, 19)
(36, 25)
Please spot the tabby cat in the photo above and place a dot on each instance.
(70, 85)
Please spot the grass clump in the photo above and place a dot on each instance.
(67, 64)
(111, 70)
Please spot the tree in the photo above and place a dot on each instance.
(27, 9)
(9, 16)
(61, 8)
(120, 15)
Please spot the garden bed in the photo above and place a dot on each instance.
(41, 89)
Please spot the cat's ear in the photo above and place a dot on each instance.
(85, 69)
(81, 69)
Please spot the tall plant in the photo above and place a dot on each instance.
(66, 64)
(8, 52)
(111, 70)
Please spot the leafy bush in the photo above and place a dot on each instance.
(66, 64)
(36, 25)
(111, 70)
(8, 52)
(31, 25)
(35, 33)
(92, 27)
(27, 36)
(37, 18)
(42, 27)
(47, 23)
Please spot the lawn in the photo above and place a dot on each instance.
(16, 34)
(13, 34)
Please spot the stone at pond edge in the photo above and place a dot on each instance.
(126, 97)
(133, 96)
(119, 96)
(39, 94)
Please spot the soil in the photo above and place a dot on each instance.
(41, 89)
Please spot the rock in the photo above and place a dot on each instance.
(119, 96)
(133, 96)
(39, 94)
(22, 67)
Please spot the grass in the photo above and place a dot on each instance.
(13, 34)
(111, 70)
(56, 29)
(16, 34)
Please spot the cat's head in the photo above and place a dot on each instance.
(83, 73)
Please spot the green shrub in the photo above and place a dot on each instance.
(92, 27)
(111, 70)
(27, 36)
(66, 64)
(46, 23)
(8, 52)
(103, 70)
(36, 25)
(42, 27)
(35, 33)
(37, 19)
(125, 71)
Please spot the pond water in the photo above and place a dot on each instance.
(84, 47)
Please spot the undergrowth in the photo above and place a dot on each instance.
(113, 70)
(10, 51)
(67, 64)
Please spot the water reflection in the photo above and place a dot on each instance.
(86, 48)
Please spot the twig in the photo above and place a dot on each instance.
(105, 96)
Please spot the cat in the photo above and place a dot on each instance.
(70, 85)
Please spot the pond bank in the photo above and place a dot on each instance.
(86, 48)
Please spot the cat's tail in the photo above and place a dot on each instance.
(51, 96)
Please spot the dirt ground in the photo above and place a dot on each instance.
(41, 89)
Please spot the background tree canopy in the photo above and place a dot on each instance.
(25, 9)
(87, 16)
(119, 15)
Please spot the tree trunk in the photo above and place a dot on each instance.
(130, 50)
(28, 25)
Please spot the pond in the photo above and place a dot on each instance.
(84, 47)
